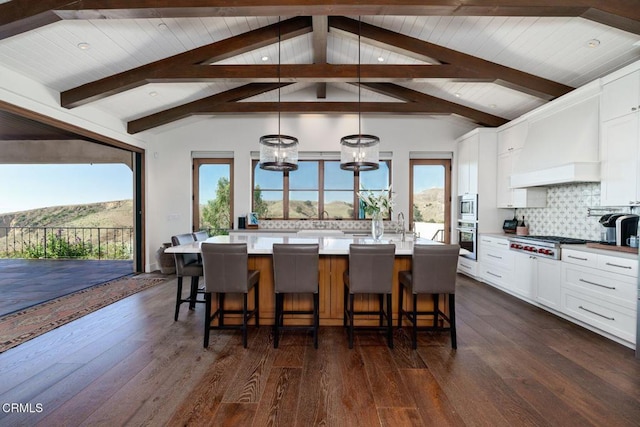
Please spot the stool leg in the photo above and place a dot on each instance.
(194, 292)
(452, 320)
(436, 309)
(414, 330)
(244, 320)
(351, 297)
(316, 318)
(207, 318)
(401, 296)
(381, 312)
(344, 303)
(256, 303)
(389, 322)
(276, 324)
(221, 307)
(178, 299)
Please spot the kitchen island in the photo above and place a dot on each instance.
(334, 260)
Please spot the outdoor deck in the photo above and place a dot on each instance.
(26, 282)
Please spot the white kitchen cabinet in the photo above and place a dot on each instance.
(468, 165)
(620, 161)
(538, 279)
(496, 261)
(468, 267)
(601, 291)
(507, 197)
(621, 97)
(512, 138)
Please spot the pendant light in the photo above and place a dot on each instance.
(359, 152)
(278, 152)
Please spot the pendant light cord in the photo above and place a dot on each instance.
(279, 48)
(359, 85)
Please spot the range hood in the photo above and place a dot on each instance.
(560, 148)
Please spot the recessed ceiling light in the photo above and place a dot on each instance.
(380, 59)
(84, 46)
(493, 106)
(162, 26)
(265, 58)
(457, 94)
(153, 93)
(593, 43)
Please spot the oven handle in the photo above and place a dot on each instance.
(466, 230)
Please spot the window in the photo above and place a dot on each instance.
(213, 195)
(430, 198)
(318, 189)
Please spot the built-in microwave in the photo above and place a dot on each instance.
(468, 207)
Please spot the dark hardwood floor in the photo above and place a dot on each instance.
(131, 364)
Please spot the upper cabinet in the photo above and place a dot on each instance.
(468, 165)
(620, 141)
(510, 143)
(621, 97)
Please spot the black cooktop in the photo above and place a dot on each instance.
(558, 239)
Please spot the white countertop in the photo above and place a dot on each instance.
(261, 245)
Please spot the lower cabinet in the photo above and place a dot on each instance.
(538, 278)
(468, 267)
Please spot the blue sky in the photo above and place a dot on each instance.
(26, 187)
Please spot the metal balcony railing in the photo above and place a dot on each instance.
(67, 242)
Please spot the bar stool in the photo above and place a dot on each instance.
(295, 270)
(370, 272)
(433, 271)
(190, 266)
(199, 236)
(226, 271)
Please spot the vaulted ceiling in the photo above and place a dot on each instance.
(152, 63)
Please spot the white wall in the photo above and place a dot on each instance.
(169, 176)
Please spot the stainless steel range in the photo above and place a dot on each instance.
(544, 246)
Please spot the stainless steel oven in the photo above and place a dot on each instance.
(468, 239)
(468, 207)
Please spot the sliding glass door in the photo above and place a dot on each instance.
(430, 198)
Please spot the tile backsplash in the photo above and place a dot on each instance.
(567, 211)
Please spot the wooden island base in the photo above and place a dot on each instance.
(331, 295)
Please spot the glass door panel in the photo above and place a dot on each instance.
(430, 199)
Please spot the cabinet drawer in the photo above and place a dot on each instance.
(587, 259)
(628, 267)
(603, 315)
(611, 287)
(494, 242)
(499, 257)
(496, 275)
(467, 266)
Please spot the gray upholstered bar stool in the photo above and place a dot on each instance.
(187, 265)
(200, 236)
(370, 272)
(433, 271)
(226, 271)
(295, 270)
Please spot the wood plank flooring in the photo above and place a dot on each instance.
(131, 364)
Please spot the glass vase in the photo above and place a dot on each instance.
(377, 226)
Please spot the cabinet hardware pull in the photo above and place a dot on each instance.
(598, 284)
(619, 266)
(495, 275)
(494, 256)
(503, 244)
(577, 257)
(465, 266)
(597, 314)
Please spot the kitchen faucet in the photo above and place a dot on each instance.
(401, 224)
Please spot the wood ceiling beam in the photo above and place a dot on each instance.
(319, 40)
(312, 73)
(436, 106)
(201, 106)
(413, 96)
(400, 43)
(213, 52)
(623, 14)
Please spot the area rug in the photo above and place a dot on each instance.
(23, 325)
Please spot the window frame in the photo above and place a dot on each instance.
(195, 197)
(321, 189)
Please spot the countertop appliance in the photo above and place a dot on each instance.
(626, 226)
(608, 223)
(509, 226)
(543, 246)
